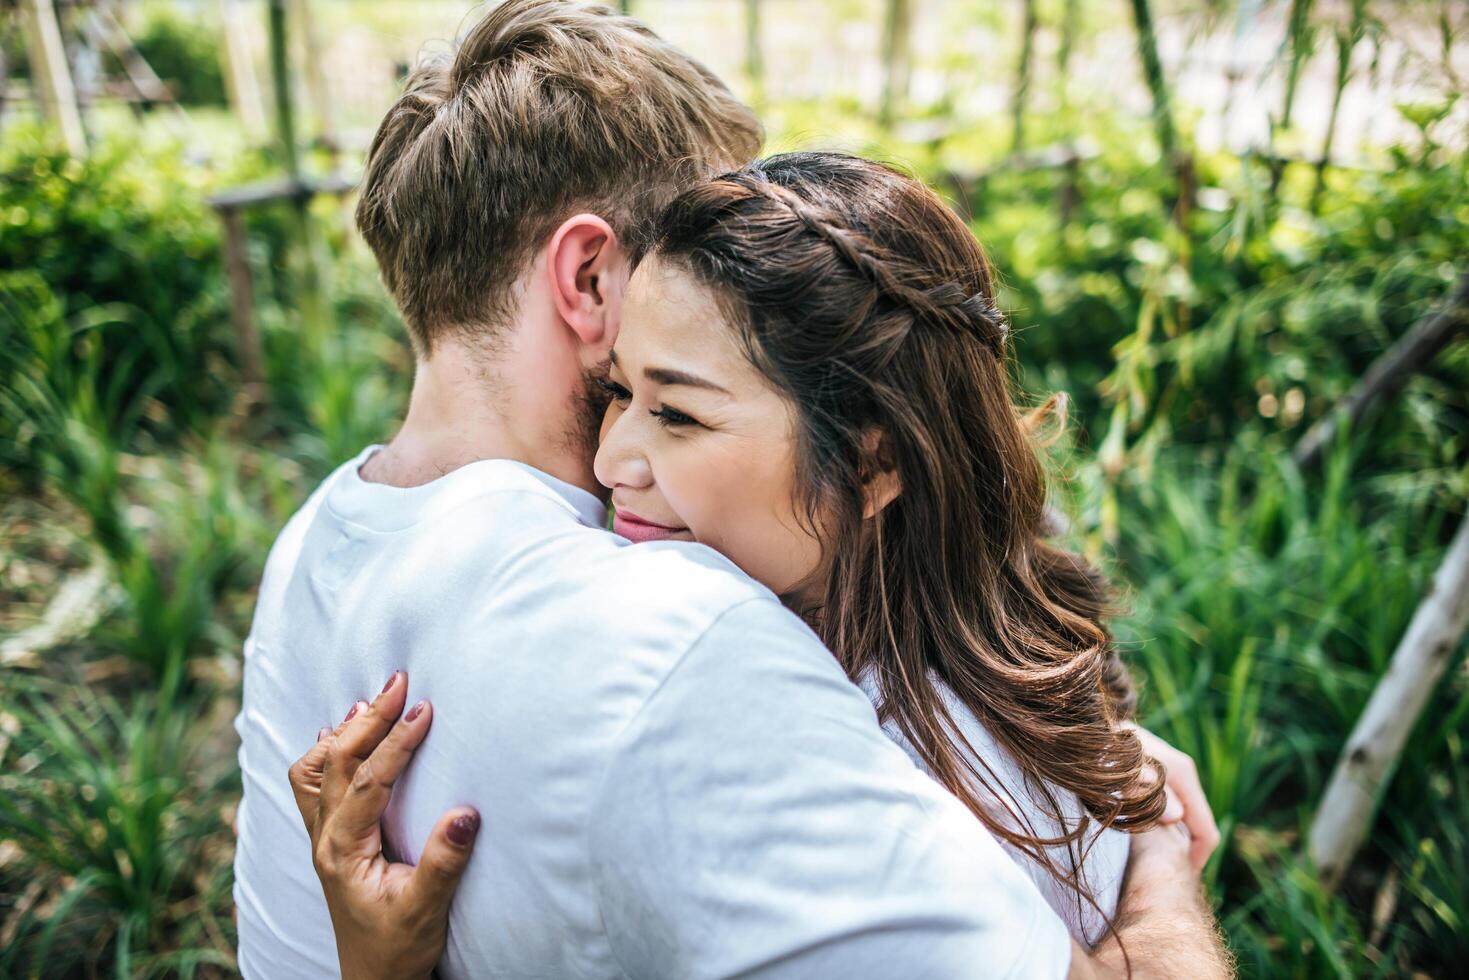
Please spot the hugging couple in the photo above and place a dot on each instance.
(824, 701)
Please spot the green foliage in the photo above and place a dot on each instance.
(121, 843)
(126, 233)
(1265, 607)
(184, 52)
(1182, 338)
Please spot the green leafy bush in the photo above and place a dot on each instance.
(126, 232)
(184, 52)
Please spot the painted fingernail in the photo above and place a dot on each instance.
(415, 711)
(353, 713)
(391, 681)
(323, 734)
(463, 829)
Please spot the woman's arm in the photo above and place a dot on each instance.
(390, 920)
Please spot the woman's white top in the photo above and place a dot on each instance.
(1103, 854)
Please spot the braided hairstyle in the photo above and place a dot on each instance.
(870, 306)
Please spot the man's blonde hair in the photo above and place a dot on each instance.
(545, 108)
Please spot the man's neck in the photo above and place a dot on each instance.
(461, 412)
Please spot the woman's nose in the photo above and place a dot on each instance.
(621, 460)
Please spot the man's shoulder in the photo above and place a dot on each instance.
(670, 575)
(627, 609)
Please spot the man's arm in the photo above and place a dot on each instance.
(1164, 926)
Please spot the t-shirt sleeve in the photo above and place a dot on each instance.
(756, 821)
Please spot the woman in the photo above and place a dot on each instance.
(811, 378)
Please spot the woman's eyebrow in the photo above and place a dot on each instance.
(668, 376)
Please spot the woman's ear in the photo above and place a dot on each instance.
(588, 271)
(881, 484)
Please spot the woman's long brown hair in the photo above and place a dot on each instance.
(870, 305)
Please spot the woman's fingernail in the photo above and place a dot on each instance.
(415, 711)
(391, 681)
(323, 734)
(353, 713)
(463, 829)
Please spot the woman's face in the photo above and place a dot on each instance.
(697, 445)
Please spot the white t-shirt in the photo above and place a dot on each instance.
(675, 776)
(1100, 856)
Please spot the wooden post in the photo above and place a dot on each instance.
(50, 74)
(242, 304)
(1372, 752)
(239, 69)
(1389, 372)
(230, 206)
(145, 82)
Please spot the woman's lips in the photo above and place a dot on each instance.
(635, 529)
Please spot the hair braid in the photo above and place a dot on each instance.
(947, 303)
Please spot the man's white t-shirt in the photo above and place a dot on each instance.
(676, 779)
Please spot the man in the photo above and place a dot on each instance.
(681, 780)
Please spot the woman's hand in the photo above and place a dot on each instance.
(1186, 800)
(390, 920)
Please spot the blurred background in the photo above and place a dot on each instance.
(1235, 233)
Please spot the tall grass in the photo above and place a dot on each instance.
(120, 841)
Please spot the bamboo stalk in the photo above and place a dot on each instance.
(1153, 72)
(1297, 43)
(280, 76)
(754, 58)
(1298, 40)
(1376, 743)
(896, 59)
(1346, 43)
(315, 313)
(1022, 75)
(1389, 372)
(1070, 24)
(1147, 38)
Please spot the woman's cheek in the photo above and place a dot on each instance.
(609, 418)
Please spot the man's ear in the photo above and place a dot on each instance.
(881, 483)
(588, 272)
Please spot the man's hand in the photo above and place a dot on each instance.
(390, 920)
(1186, 801)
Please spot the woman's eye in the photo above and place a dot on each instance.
(617, 391)
(672, 417)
